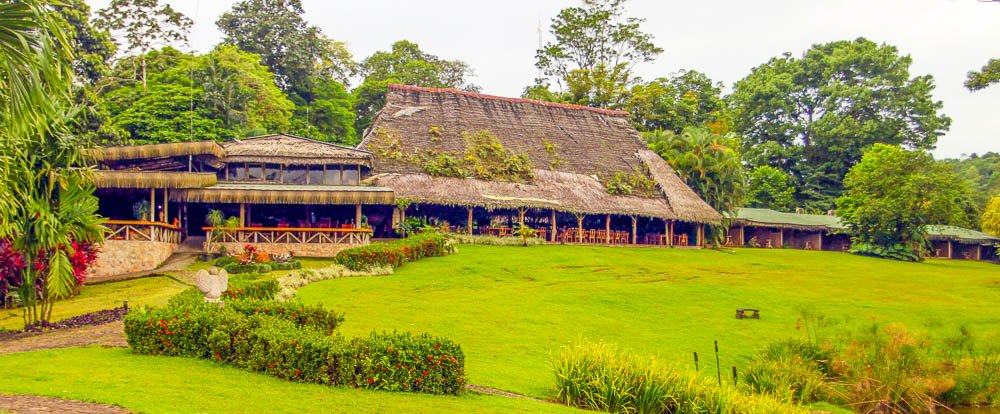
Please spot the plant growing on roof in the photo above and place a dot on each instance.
(637, 183)
(555, 157)
(386, 143)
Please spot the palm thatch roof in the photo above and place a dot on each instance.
(570, 148)
(152, 179)
(150, 151)
(285, 194)
(289, 149)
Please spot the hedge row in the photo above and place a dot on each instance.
(239, 268)
(395, 253)
(287, 346)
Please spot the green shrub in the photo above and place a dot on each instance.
(325, 321)
(225, 261)
(395, 253)
(405, 362)
(239, 268)
(600, 377)
(494, 240)
(179, 330)
(251, 286)
(280, 348)
(793, 371)
(292, 265)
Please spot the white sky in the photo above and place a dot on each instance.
(724, 39)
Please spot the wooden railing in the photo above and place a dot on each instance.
(134, 230)
(293, 235)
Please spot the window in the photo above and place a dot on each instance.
(332, 175)
(235, 172)
(351, 176)
(316, 174)
(272, 172)
(255, 172)
(294, 175)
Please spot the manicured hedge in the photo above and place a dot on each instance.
(251, 286)
(235, 268)
(395, 253)
(294, 342)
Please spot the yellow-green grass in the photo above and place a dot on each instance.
(155, 290)
(182, 385)
(511, 308)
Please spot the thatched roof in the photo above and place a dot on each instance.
(152, 179)
(569, 148)
(150, 151)
(290, 149)
(285, 194)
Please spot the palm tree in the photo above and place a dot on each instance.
(46, 197)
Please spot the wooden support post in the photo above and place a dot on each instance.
(607, 229)
(166, 206)
(635, 229)
(190, 162)
(243, 210)
(781, 239)
(979, 252)
(579, 228)
(949, 249)
(670, 235)
(152, 204)
(357, 215)
(552, 238)
(819, 238)
(468, 223)
(699, 235)
(743, 236)
(520, 216)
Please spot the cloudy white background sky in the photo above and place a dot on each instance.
(724, 39)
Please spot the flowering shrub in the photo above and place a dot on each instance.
(405, 362)
(251, 286)
(296, 343)
(254, 260)
(11, 264)
(395, 253)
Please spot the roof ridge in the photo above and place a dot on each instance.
(282, 134)
(506, 99)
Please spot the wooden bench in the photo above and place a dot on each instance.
(742, 313)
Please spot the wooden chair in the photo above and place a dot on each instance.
(324, 222)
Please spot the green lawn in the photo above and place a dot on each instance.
(181, 385)
(145, 291)
(510, 308)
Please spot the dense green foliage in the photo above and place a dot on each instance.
(990, 220)
(816, 115)
(604, 378)
(982, 175)
(395, 253)
(892, 195)
(139, 25)
(686, 99)
(988, 75)
(769, 187)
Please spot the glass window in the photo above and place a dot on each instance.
(316, 174)
(255, 172)
(235, 172)
(294, 175)
(351, 176)
(332, 175)
(272, 172)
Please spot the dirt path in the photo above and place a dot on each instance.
(109, 334)
(34, 404)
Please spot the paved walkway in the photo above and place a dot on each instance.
(109, 334)
(35, 404)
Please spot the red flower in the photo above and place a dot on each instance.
(425, 373)
(297, 372)
(218, 356)
(270, 365)
(438, 346)
(370, 380)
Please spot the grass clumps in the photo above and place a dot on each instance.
(599, 376)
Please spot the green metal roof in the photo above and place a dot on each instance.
(942, 232)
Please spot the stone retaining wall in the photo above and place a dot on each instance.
(118, 257)
(296, 249)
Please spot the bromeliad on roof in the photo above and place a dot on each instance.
(571, 150)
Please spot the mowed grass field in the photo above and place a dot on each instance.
(511, 308)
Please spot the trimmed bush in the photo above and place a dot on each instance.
(315, 317)
(405, 362)
(239, 268)
(225, 261)
(282, 349)
(494, 240)
(251, 286)
(395, 253)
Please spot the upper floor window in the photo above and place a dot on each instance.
(294, 174)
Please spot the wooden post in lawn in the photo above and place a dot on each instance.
(243, 211)
(357, 216)
(579, 228)
(635, 234)
(607, 229)
(152, 204)
(553, 237)
(468, 222)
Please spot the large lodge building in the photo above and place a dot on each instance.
(479, 164)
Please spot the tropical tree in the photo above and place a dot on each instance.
(594, 53)
(143, 25)
(709, 163)
(814, 116)
(47, 205)
(769, 187)
(991, 217)
(686, 99)
(988, 75)
(405, 63)
(891, 197)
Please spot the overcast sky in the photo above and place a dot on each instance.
(724, 39)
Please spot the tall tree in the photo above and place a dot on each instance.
(404, 64)
(46, 199)
(892, 195)
(769, 187)
(818, 114)
(242, 90)
(990, 220)
(143, 25)
(93, 48)
(686, 99)
(707, 162)
(594, 52)
(988, 75)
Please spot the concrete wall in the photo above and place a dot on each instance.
(118, 257)
(296, 249)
